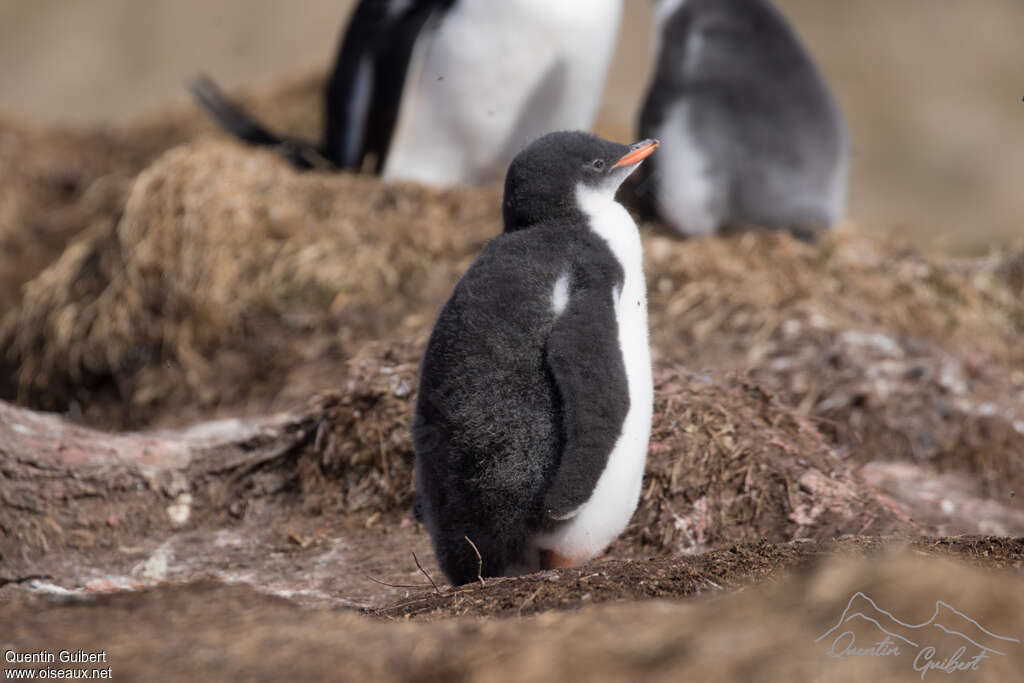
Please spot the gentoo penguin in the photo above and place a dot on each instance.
(751, 133)
(535, 399)
(445, 92)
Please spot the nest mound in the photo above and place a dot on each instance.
(55, 183)
(226, 272)
(900, 356)
(758, 290)
(728, 462)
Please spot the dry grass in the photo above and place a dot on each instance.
(728, 463)
(903, 356)
(56, 183)
(226, 272)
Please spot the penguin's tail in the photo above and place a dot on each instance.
(232, 118)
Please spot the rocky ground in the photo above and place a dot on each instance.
(226, 354)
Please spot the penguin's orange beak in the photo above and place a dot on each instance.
(638, 153)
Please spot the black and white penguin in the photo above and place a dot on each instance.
(751, 133)
(535, 400)
(445, 92)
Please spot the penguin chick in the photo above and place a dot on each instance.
(535, 400)
(752, 135)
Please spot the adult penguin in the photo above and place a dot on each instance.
(751, 133)
(535, 400)
(445, 92)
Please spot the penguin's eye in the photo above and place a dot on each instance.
(597, 164)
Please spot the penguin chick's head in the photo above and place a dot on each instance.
(542, 180)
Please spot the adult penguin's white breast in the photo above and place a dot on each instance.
(492, 76)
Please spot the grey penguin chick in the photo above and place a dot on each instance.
(535, 401)
(752, 134)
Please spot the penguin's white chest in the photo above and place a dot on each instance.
(688, 193)
(607, 512)
(494, 76)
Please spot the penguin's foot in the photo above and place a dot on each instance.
(549, 559)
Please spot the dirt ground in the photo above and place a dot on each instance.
(208, 364)
(775, 629)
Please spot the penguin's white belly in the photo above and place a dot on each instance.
(687, 192)
(607, 512)
(495, 76)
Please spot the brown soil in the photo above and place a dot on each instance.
(769, 631)
(717, 570)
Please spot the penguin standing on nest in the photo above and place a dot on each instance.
(752, 134)
(445, 92)
(535, 399)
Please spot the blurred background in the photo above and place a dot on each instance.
(932, 90)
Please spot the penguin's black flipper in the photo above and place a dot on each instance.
(585, 360)
(235, 120)
(364, 93)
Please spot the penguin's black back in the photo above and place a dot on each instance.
(488, 430)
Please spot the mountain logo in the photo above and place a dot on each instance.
(949, 641)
